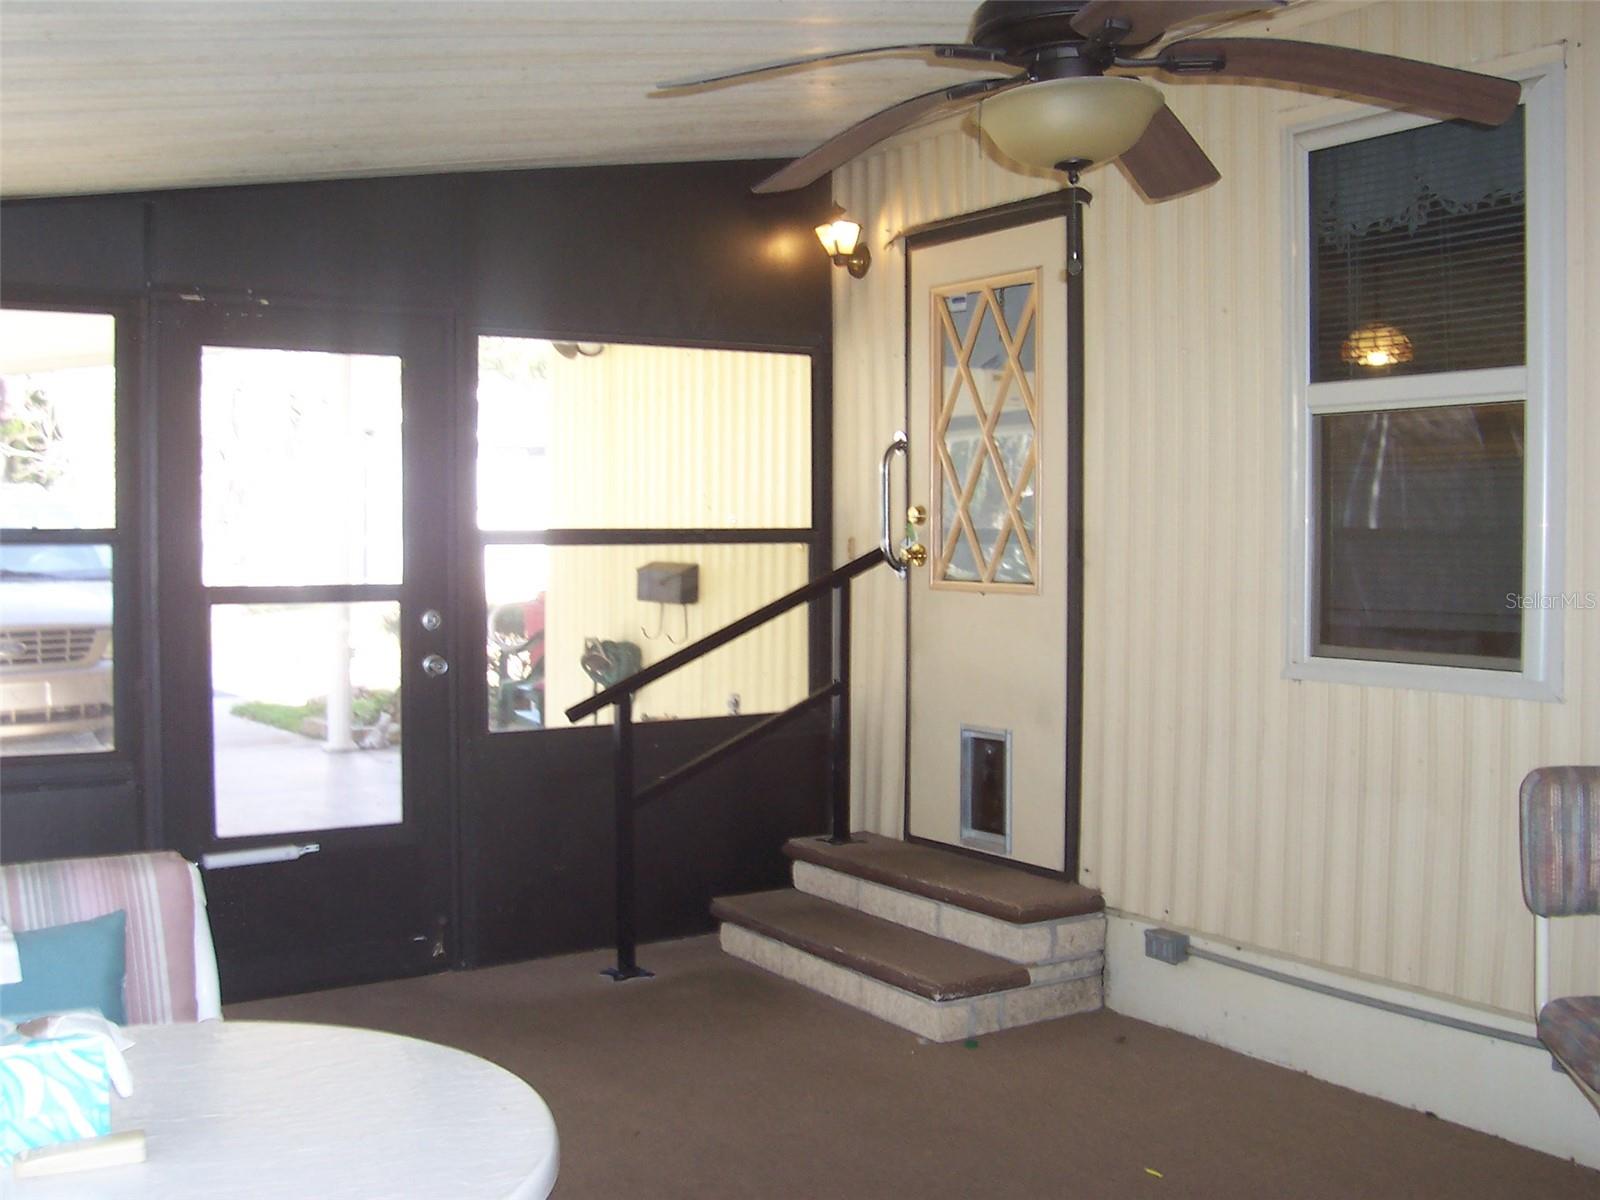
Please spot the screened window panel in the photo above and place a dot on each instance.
(56, 693)
(1420, 232)
(1420, 516)
(300, 474)
(563, 621)
(58, 399)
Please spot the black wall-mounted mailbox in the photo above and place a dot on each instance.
(670, 583)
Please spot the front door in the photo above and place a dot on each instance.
(304, 486)
(989, 614)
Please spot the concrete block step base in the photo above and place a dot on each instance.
(1036, 944)
(935, 1020)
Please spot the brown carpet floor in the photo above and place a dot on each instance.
(717, 1080)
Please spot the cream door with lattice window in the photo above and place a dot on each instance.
(988, 613)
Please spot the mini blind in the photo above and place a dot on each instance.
(1418, 242)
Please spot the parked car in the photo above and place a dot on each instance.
(55, 640)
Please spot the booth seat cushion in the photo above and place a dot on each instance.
(1570, 1027)
(154, 890)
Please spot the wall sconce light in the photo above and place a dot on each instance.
(1376, 344)
(842, 241)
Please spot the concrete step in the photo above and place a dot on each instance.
(992, 907)
(914, 962)
(935, 988)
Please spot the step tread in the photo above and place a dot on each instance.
(904, 958)
(991, 888)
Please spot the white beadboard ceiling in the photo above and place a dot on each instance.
(119, 95)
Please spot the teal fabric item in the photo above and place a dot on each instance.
(68, 967)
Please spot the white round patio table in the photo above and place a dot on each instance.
(262, 1108)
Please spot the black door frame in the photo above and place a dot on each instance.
(410, 869)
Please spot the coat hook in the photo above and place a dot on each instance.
(661, 622)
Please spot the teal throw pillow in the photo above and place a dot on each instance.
(69, 967)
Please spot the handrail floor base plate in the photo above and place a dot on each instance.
(623, 974)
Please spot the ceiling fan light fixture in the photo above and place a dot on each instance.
(1086, 118)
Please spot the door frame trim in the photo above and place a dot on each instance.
(957, 228)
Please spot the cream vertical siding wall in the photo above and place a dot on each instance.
(1370, 830)
(683, 439)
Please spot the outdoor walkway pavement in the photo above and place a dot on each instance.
(273, 781)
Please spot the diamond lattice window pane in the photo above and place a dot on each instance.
(961, 307)
(963, 567)
(990, 517)
(986, 426)
(1028, 360)
(950, 366)
(1013, 564)
(961, 443)
(1013, 433)
(1013, 303)
(988, 362)
(948, 506)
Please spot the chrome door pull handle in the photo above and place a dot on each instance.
(435, 665)
(890, 554)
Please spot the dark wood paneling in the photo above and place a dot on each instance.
(543, 801)
(69, 821)
(377, 242)
(680, 252)
(267, 948)
(669, 253)
(95, 244)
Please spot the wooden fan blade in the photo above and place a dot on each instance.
(863, 135)
(1443, 92)
(1167, 162)
(961, 53)
(1151, 18)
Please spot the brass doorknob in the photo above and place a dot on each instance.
(916, 554)
(917, 514)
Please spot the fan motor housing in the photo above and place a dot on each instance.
(1020, 26)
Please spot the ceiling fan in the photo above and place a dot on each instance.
(1061, 107)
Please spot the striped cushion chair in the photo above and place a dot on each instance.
(171, 965)
(1561, 878)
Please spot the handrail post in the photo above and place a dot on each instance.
(622, 799)
(839, 735)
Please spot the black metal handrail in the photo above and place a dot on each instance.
(628, 797)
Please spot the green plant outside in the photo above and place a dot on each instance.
(365, 708)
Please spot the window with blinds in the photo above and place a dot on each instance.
(1417, 410)
(1418, 251)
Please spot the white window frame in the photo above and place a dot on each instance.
(1541, 385)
